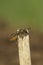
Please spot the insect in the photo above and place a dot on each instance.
(20, 32)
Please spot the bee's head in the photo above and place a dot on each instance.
(23, 32)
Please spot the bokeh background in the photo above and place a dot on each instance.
(16, 14)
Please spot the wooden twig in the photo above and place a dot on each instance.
(24, 49)
(22, 36)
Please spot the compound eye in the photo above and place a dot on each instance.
(27, 31)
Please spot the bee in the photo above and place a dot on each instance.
(19, 32)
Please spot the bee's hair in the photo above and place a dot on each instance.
(23, 30)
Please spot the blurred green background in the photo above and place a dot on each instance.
(23, 12)
(15, 14)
